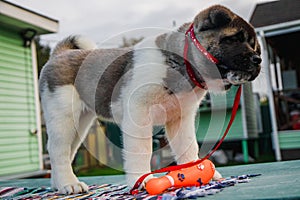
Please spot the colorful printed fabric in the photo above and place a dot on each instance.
(121, 192)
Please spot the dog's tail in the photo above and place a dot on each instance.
(74, 42)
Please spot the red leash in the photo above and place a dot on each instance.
(190, 32)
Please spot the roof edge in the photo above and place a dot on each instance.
(281, 28)
(28, 16)
(28, 10)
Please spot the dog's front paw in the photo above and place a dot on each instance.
(66, 182)
(74, 188)
(217, 176)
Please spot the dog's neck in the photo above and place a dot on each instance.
(172, 46)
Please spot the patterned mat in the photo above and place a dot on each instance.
(121, 192)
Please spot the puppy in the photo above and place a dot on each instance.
(140, 87)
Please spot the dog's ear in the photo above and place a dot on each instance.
(212, 17)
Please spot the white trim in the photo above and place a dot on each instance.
(281, 28)
(279, 74)
(38, 173)
(27, 16)
(37, 104)
(275, 140)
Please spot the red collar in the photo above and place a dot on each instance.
(191, 34)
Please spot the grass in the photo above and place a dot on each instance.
(98, 171)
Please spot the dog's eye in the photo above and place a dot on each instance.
(252, 42)
(238, 37)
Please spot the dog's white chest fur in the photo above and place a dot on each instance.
(172, 107)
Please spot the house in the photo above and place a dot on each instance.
(277, 24)
(20, 121)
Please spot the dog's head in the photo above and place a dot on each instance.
(232, 41)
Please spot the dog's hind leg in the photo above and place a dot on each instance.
(62, 109)
(86, 120)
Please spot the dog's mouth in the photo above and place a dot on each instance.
(233, 76)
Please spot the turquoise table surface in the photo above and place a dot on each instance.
(279, 180)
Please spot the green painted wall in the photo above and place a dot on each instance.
(211, 125)
(216, 127)
(19, 151)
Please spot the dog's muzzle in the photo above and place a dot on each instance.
(237, 76)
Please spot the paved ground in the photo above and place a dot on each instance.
(279, 180)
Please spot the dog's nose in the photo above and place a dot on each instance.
(255, 59)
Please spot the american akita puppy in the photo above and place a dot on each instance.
(140, 87)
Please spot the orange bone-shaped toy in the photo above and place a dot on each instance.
(196, 175)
